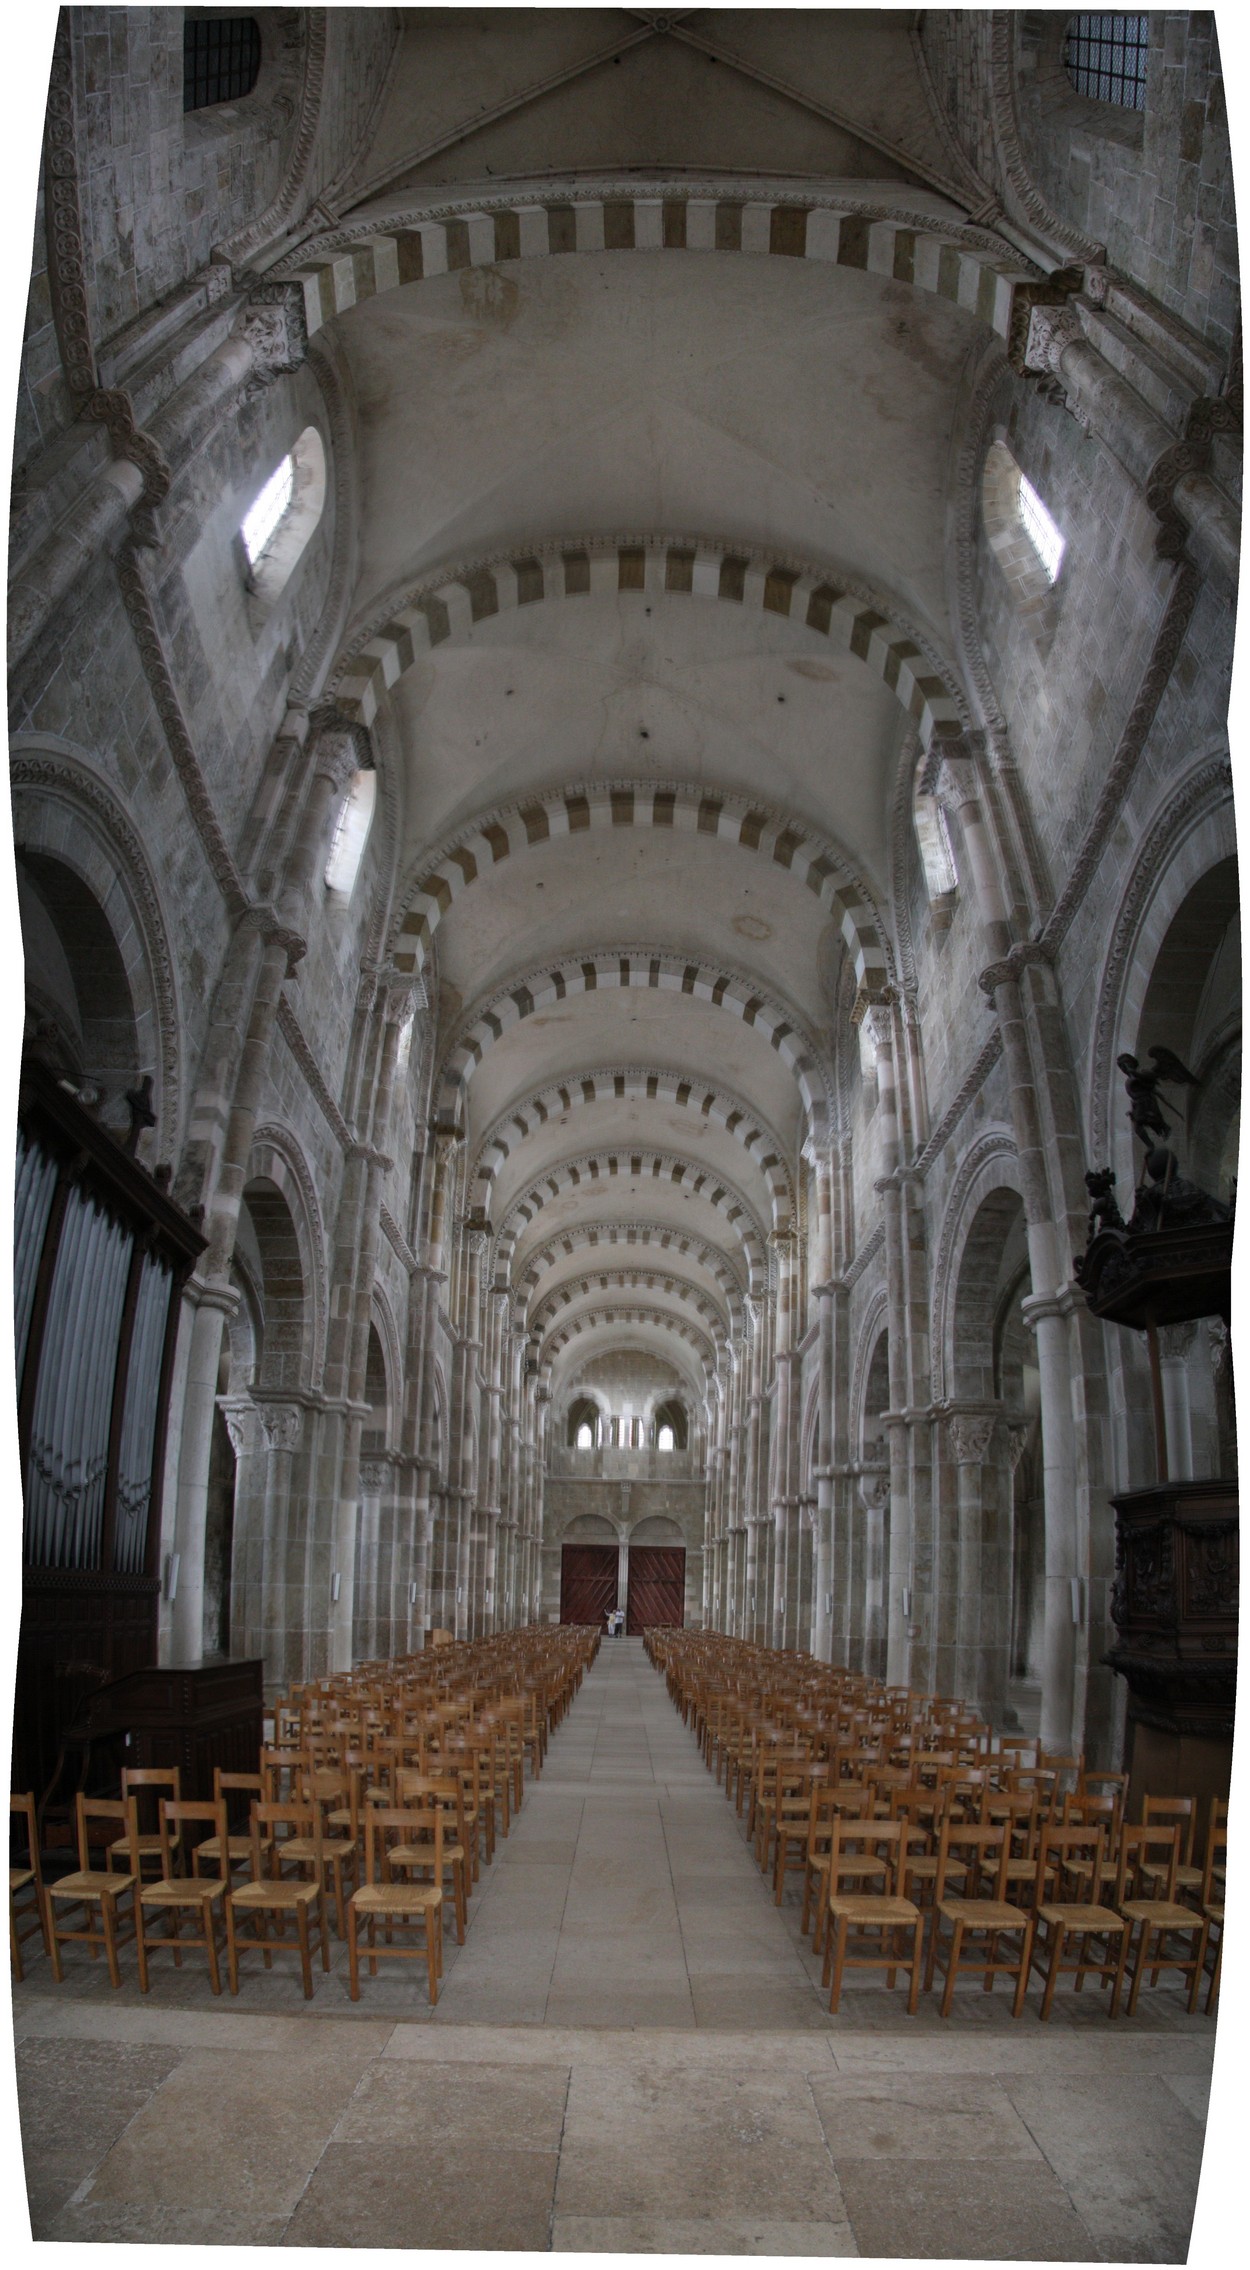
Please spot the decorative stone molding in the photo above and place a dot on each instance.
(991, 1157)
(1006, 127)
(276, 1153)
(338, 747)
(277, 216)
(873, 1485)
(375, 1478)
(137, 599)
(1030, 953)
(1177, 1341)
(1017, 1442)
(289, 1026)
(113, 408)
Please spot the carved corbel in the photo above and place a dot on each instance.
(275, 329)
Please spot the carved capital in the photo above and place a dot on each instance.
(971, 1434)
(1052, 330)
(274, 327)
(374, 1476)
(341, 747)
(283, 1425)
(1017, 1440)
(874, 1489)
(241, 1423)
(1176, 1341)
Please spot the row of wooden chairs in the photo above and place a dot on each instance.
(382, 1830)
(904, 1812)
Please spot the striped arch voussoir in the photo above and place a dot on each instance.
(596, 1174)
(636, 1083)
(650, 567)
(640, 969)
(961, 265)
(563, 1334)
(629, 1280)
(618, 1238)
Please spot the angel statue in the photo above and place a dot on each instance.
(1145, 1105)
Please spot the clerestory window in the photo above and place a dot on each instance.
(1105, 58)
(276, 528)
(351, 833)
(220, 60)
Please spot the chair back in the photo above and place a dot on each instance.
(1061, 1843)
(163, 1781)
(1149, 1846)
(417, 1829)
(237, 1785)
(176, 1811)
(121, 1816)
(1183, 1811)
(979, 1851)
(275, 1824)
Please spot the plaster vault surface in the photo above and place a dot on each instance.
(629, 2054)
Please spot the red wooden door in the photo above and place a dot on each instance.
(587, 1583)
(657, 1586)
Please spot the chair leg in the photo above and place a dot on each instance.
(108, 1919)
(837, 1941)
(305, 1951)
(914, 1966)
(1052, 1975)
(210, 1942)
(353, 1956)
(1022, 1975)
(952, 1966)
(141, 1944)
(232, 1949)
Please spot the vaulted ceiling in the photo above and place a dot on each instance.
(651, 602)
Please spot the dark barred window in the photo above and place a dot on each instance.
(1105, 57)
(220, 59)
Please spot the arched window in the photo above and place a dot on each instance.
(585, 1436)
(220, 59)
(665, 1439)
(1105, 58)
(351, 833)
(1024, 537)
(280, 520)
(933, 843)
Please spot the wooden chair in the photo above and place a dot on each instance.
(1149, 1856)
(180, 1895)
(271, 1899)
(403, 1905)
(334, 1799)
(444, 1790)
(164, 1781)
(97, 1890)
(879, 1920)
(28, 1914)
(1080, 1921)
(980, 1852)
(238, 1850)
(1184, 1812)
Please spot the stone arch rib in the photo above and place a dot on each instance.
(596, 1171)
(594, 1286)
(631, 1235)
(446, 607)
(641, 969)
(965, 266)
(641, 1083)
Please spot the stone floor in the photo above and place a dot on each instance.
(630, 2054)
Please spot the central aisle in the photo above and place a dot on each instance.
(626, 1895)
